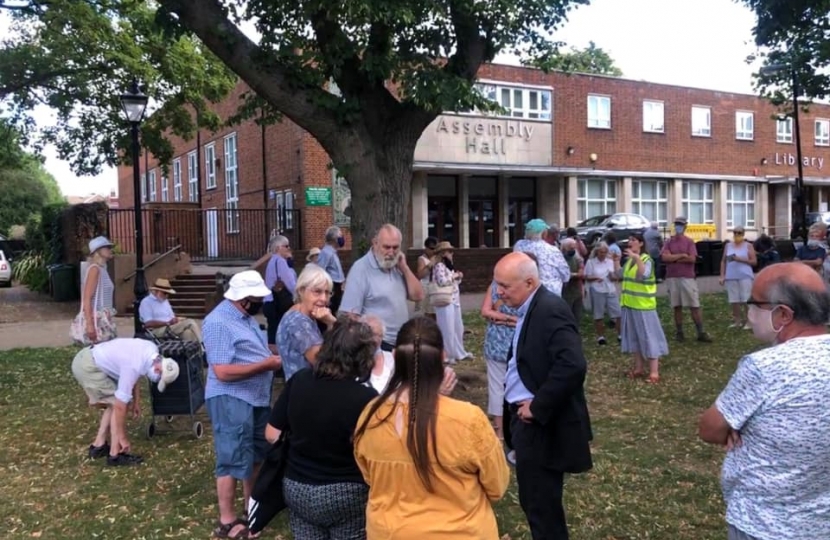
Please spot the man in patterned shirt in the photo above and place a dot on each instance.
(774, 415)
(554, 271)
(238, 392)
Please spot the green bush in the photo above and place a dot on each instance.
(30, 270)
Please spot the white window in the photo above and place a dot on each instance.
(152, 181)
(165, 195)
(599, 112)
(520, 102)
(784, 130)
(653, 117)
(231, 185)
(699, 202)
(192, 177)
(595, 197)
(822, 132)
(740, 205)
(701, 121)
(143, 187)
(289, 210)
(177, 180)
(210, 166)
(280, 202)
(744, 125)
(650, 199)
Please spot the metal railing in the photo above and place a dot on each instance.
(212, 234)
(154, 261)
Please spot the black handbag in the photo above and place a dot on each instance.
(267, 499)
(282, 301)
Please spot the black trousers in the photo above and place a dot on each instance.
(540, 487)
(273, 320)
(336, 298)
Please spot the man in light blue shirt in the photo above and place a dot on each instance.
(157, 315)
(329, 261)
(277, 271)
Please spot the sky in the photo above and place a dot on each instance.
(700, 44)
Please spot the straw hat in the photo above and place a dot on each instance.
(443, 246)
(311, 253)
(163, 285)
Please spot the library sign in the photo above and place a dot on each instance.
(485, 140)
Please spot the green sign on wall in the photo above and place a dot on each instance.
(318, 196)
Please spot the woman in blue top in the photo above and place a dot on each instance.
(298, 335)
(497, 339)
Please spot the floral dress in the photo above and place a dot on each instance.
(498, 337)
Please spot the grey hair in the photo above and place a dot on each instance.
(534, 236)
(373, 322)
(388, 227)
(312, 276)
(332, 233)
(600, 245)
(809, 306)
(528, 269)
(276, 242)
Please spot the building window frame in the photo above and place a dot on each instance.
(744, 125)
(144, 187)
(210, 166)
(599, 111)
(821, 132)
(701, 121)
(607, 199)
(784, 130)
(701, 202)
(231, 184)
(654, 116)
(177, 180)
(517, 100)
(659, 200)
(165, 188)
(151, 179)
(192, 177)
(747, 202)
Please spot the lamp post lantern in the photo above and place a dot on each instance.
(134, 103)
(800, 225)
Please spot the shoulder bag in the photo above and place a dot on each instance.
(439, 295)
(105, 326)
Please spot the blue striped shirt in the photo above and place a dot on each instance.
(232, 337)
(329, 260)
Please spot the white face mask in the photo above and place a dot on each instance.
(761, 321)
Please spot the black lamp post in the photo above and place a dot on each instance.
(134, 103)
(800, 228)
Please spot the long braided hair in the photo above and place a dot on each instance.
(418, 367)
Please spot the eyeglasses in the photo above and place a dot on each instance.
(758, 303)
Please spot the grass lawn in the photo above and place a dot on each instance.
(652, 478)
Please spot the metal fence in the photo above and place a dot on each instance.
(213, 234)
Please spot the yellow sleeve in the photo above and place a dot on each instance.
(359, 458)
(488, 457)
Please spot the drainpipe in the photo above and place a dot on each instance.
(264, 181)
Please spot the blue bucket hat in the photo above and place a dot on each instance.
(536, 226)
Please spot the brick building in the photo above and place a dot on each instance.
(573, 146)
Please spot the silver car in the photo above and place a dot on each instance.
(5, 271)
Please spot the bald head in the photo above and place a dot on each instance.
(568, 243)
(796, 286)
(517, 277)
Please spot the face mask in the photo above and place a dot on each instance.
(678, 229)
(252, 308)
(290, 262)
(570, 253)
(153, 375)
(813, 243)
(761, 321)
(341, 241)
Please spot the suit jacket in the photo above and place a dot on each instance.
(552, 366)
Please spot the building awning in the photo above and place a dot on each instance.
(808, 181)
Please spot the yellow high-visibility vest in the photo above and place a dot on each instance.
(638, 293)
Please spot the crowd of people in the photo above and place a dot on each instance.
(377, 447)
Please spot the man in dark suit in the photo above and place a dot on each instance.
(544, 397)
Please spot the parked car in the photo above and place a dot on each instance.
(622, 224)
(815, 217)
(5, 271)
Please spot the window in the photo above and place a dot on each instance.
(177, 180)
(519, 102)
(701, 121)
(740, 205)
(152, 182)
(784, 130)
(210, 166)
(231, 185)
(744, 125)
(192, 177)
(595, 197)
(599, 112)
(650, 199)
(143, 187)
(653, 116)
(699, 202)
(285, 210)
(165, 195)
(822, 132)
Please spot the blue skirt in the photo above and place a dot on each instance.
(642, 333)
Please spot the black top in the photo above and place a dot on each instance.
(321, 416)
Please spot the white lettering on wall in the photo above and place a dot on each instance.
(787, 158)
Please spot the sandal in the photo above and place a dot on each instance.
(223, 530)
(653, 379)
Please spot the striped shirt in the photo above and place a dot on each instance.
(103, 295)
(232, 337)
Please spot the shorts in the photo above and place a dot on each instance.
(602, 303)
(238, 435)
(683, 292)
(496, 374)
(738, 290)
(99, 387)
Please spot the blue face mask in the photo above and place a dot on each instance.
(341, 241)
(570, 253)
(678, 229)
(290, 262)
(813, 243)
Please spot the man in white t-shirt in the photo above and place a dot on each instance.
(158, 318)
(109, 373)
(774, 415)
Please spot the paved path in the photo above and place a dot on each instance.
(49, 326)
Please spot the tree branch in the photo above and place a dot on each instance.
(472, 49)
(44, 78)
